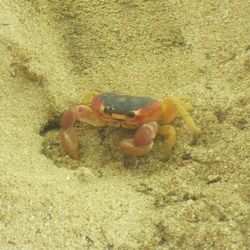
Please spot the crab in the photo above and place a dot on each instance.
(149, 116)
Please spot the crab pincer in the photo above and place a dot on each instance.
(142, 142)
(68, 135)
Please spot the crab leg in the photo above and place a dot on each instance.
(174, 106)
(67, 133)
(142, 143)
(170, 133)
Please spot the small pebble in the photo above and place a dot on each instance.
(213, 178)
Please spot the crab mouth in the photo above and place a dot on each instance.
(119, 117)
(108, 116)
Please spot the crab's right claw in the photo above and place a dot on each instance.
(68, 135)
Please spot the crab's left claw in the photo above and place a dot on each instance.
(68, 134)
(142, 143)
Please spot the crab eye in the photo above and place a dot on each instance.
(107, 110)
(131, 115)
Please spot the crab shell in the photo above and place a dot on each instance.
(127, 110)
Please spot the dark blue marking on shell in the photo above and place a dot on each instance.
(123, 104)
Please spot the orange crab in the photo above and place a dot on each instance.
(150, 117)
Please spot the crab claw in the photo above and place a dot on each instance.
(142, 143)
(68, 135)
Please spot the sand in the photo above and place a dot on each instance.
(54, 52)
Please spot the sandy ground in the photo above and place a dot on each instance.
(52, 53)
